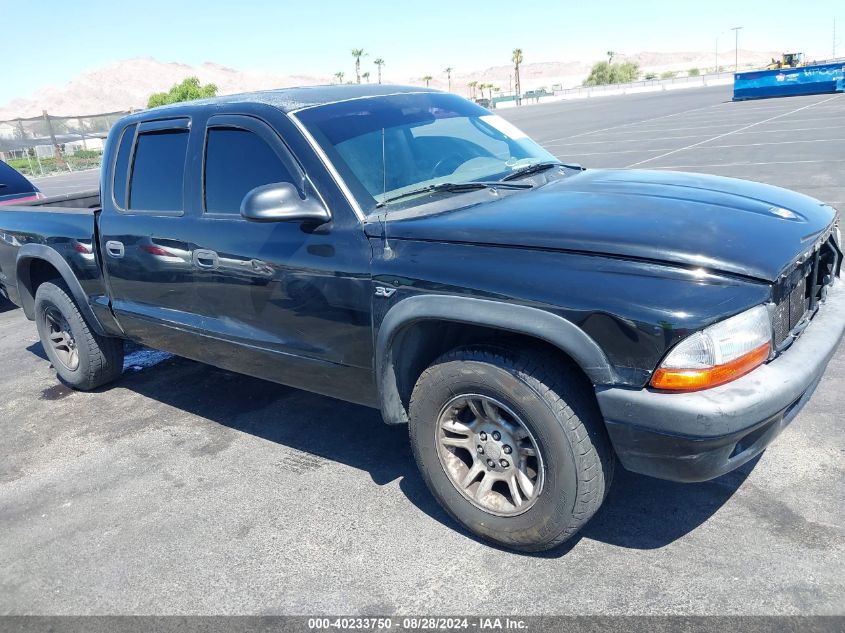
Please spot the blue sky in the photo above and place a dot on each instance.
(48, 42)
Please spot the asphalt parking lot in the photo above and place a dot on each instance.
(187, 489)
(76, 182)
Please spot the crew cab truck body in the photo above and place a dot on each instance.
(405, 249)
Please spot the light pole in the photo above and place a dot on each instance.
(736, 30)
(717, 53)
(717, 49)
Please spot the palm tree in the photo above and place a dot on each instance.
(448, 72)
(426, 79)
(379, 62)
(339, 76)
(366, 75)
(472, 86)
(517, 60)
(610, 56)
(358, 53)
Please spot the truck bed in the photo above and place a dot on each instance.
(82, 201)
(65, 224)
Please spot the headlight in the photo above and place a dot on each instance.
(718, 354)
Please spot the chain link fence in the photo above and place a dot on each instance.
(40, 146)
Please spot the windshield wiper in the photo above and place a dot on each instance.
(454, 187)
(538, 167)
(534, 168)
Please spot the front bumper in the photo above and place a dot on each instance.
(701, 435)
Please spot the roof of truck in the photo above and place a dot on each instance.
(291, 99)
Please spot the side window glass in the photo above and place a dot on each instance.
(237, 161)
(158, 171)
(121, 166)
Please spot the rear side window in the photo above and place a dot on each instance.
(121, 166)
(237, 161)
(158, 171)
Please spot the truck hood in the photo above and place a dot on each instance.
(723, 224)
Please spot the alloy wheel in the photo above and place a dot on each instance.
(489, 455)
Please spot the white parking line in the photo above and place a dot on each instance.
(616, 141)
(786, 129)
(724, 122)
(616, 127)
(664, 149)
(718, 125)
(777, 116)
(624, 140)
(750, 164)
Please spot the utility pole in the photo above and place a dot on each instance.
(736, 30)
(82, 132)
(717, 54)
(57, 151)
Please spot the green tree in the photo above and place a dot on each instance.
(472, 86)
(516, 58)
(669, 74)
(604, 73)
(610, 56)
(358, 53)
(448, 72)
(366, 76)
(427, 79)
(693, 72)
(379, 62)
(188, 90)
(650, 76)
(339, 76)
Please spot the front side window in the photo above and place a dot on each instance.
(236, 162)
(387, 145)
(158, 171)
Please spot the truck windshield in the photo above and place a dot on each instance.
(385, 146)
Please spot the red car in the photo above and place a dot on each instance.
(15, 188)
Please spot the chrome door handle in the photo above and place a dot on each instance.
(115, 249)
(205, 259)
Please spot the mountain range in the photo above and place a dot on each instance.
(128, 83)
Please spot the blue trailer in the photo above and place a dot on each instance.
(783, 82)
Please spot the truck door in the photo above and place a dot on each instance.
(145, 236)
(280, 300)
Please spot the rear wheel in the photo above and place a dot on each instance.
(511, 443)
(83, 359)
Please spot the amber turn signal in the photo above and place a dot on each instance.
(695, 379)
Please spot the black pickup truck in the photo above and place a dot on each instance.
(531, 321)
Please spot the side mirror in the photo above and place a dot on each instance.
(281, 202)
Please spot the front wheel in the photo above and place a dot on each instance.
(511, 443)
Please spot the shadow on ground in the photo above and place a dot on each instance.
(639, 513)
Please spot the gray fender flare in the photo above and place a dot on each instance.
(515, 318)
(30, 252)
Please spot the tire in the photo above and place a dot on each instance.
(99, 359)
(550, 400)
